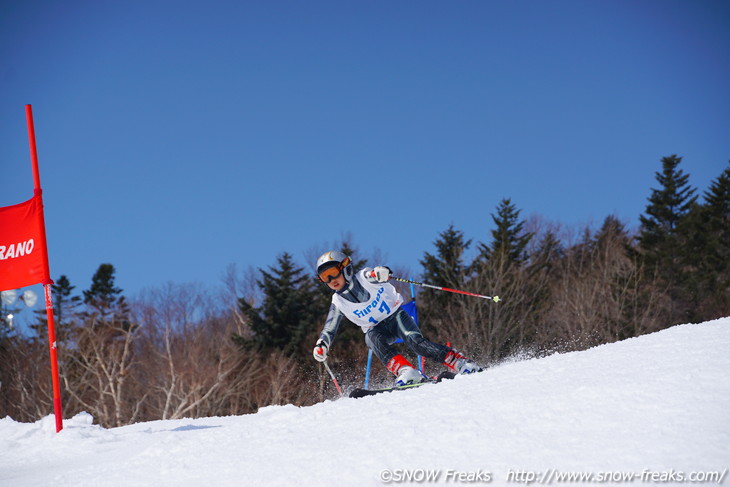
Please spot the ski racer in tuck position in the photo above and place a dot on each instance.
(370, 302)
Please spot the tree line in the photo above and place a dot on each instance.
(180, 350)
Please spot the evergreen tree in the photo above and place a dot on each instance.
(501, 268)
(447, 267)
(663, 234)
(286, 315)
(509, 240)
(659, 233)
(717, 204)
(708, 255)
(103, 297)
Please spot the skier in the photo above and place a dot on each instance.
(369, 301)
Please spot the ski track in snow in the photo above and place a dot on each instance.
(659, 402)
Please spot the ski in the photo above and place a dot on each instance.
(356, 393)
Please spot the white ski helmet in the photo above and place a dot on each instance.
(335, 258)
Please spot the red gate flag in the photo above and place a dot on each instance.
(24, 256)
(23, 259)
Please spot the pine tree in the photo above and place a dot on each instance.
(717, 204)
(659, 233)
(708, 256)
(103, 297)
(501, 269)
(663, 233)
(447, 267)
(509, 240)
(286, 315)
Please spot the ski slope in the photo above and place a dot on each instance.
(656, 407)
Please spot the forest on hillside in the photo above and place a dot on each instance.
(181, 350)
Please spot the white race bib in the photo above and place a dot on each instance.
(384, 300)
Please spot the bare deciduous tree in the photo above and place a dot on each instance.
(96, 371)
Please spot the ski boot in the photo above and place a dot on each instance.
(460, 364)
(405, 372)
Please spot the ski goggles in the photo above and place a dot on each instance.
(333, 272)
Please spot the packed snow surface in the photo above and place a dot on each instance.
(656, 407)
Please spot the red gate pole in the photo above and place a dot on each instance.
(47, 282)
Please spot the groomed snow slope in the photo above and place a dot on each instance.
(658, 404)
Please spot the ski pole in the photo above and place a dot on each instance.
(496, 299)
(333, 377)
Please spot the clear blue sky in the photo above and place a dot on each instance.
(176, 138)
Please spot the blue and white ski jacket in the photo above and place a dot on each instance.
(364, 301)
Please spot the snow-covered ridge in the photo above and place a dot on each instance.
(656, 406)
